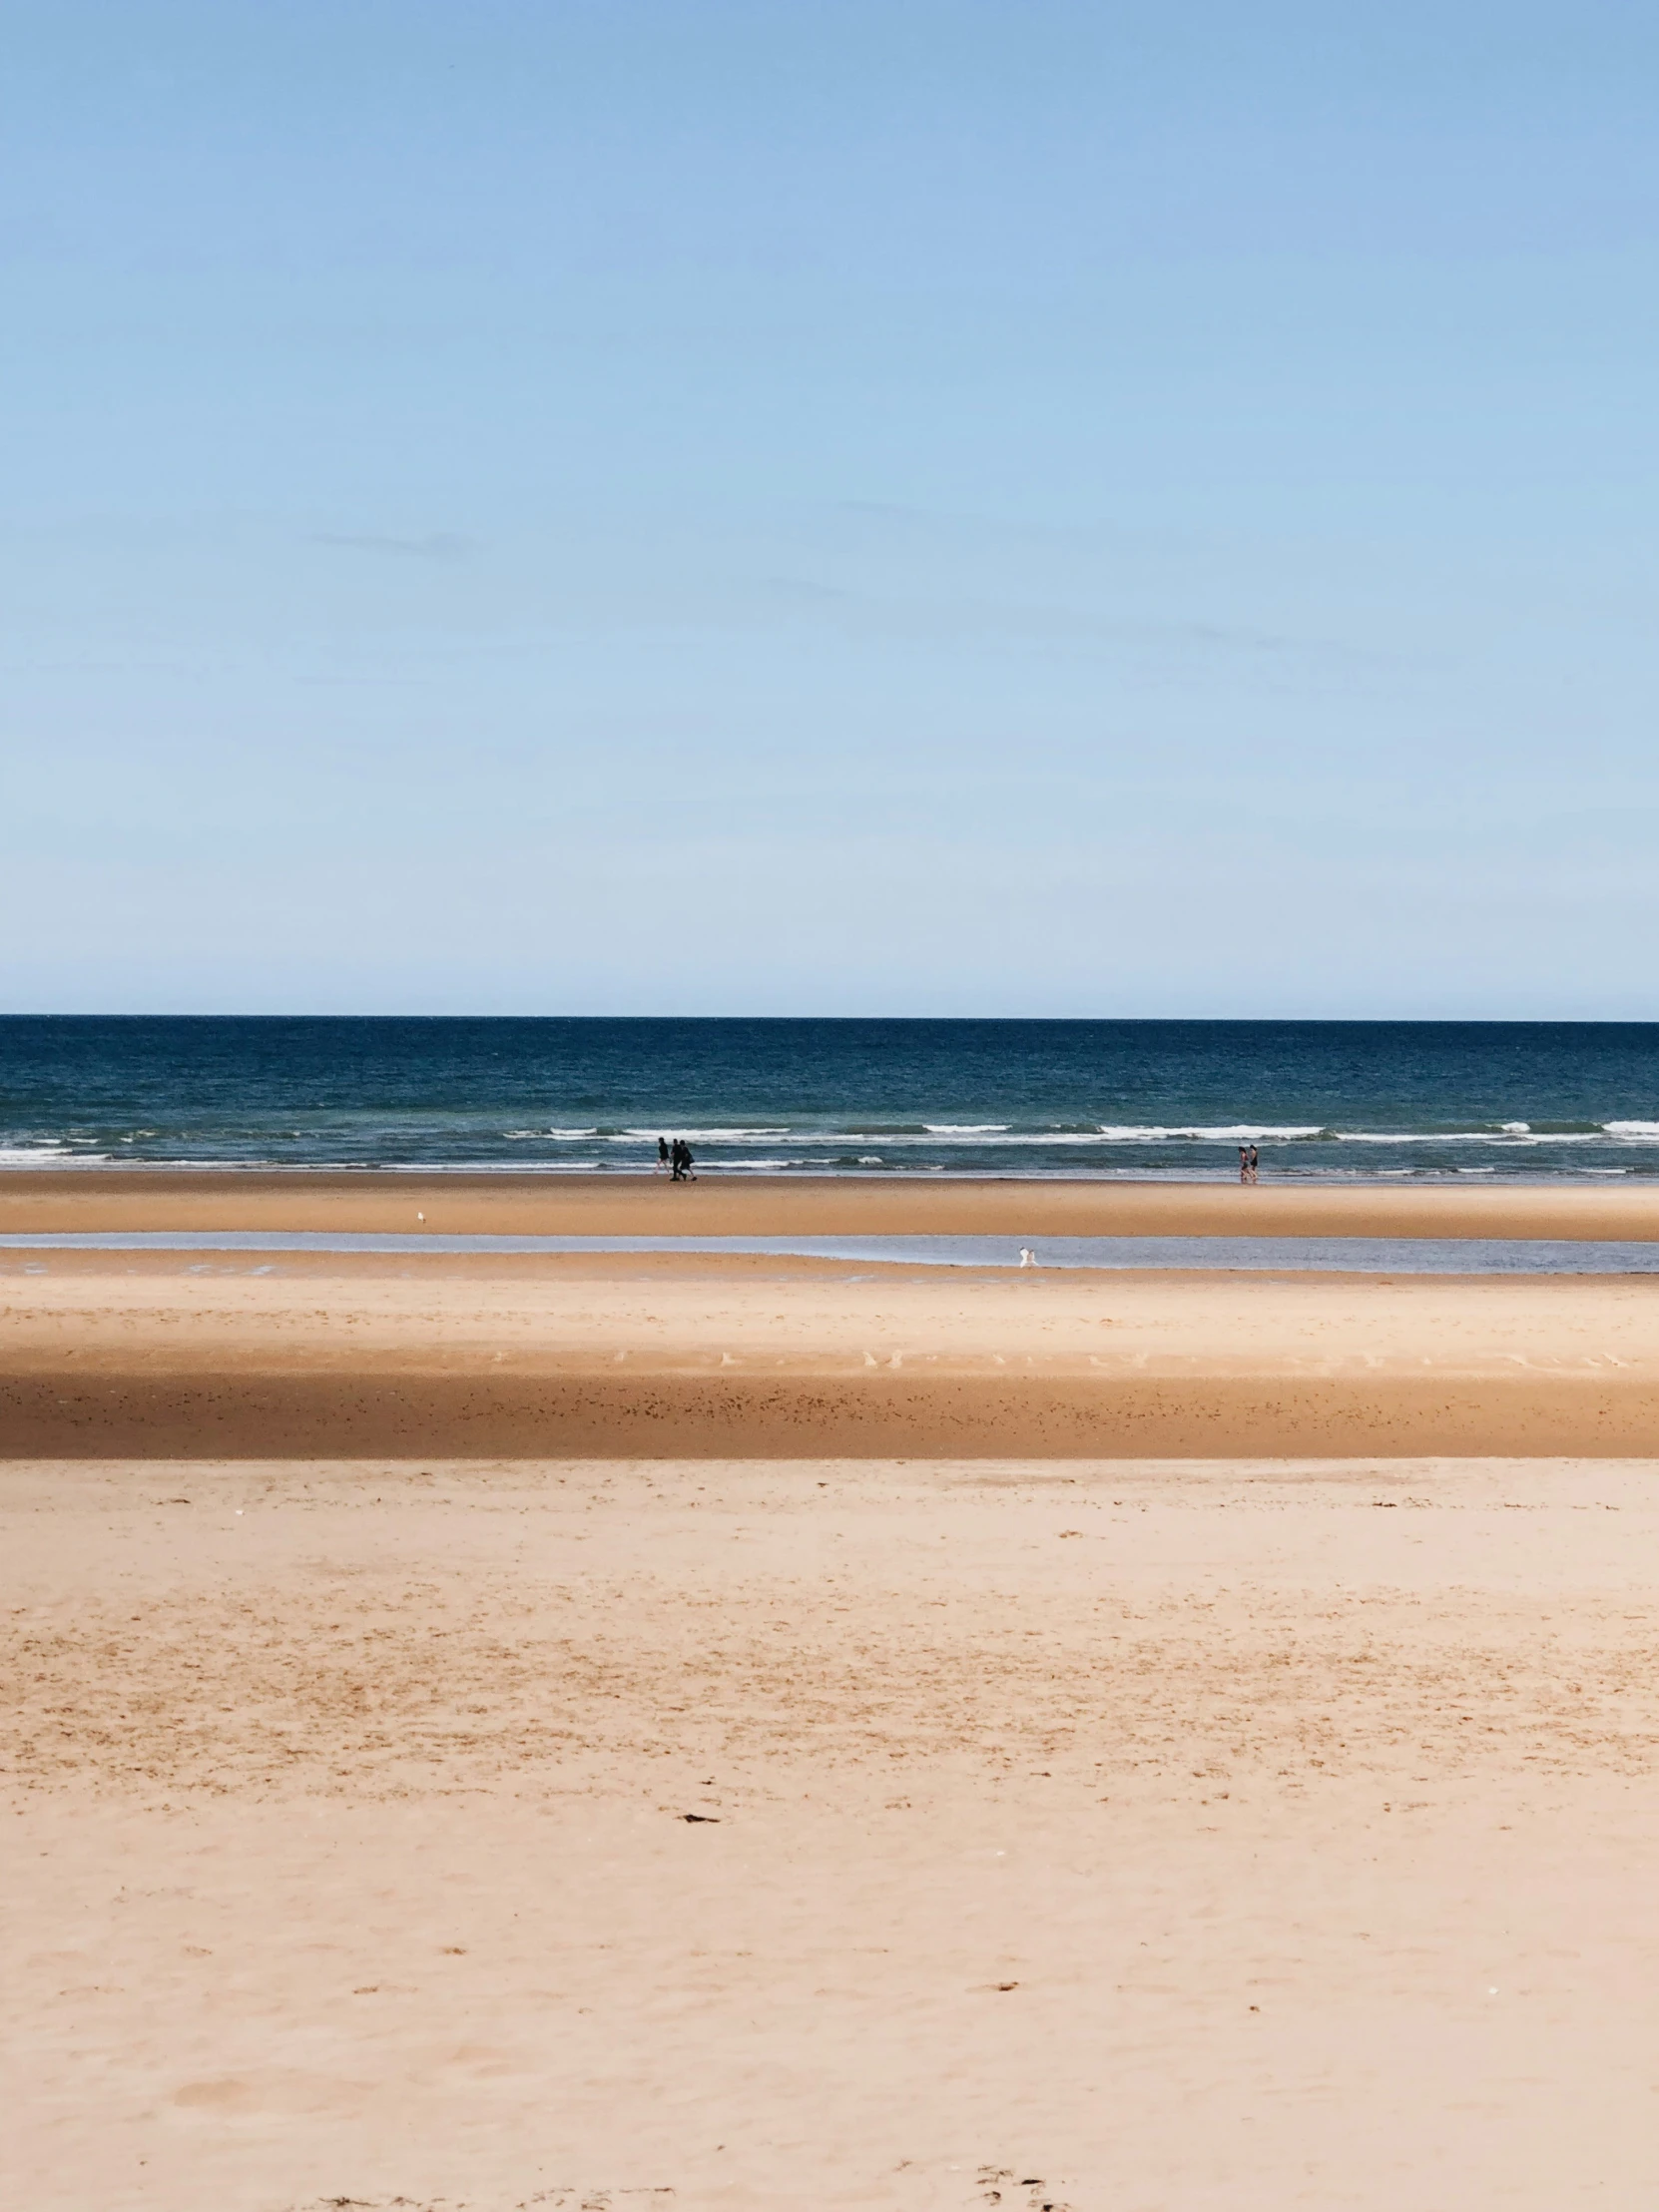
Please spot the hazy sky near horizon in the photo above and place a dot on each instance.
(892, 508)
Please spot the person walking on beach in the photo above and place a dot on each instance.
(1255, 1163)
(1244, 1163)
(662, 1154)
(686, 1175)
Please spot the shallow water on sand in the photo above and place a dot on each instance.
(1252, 1255)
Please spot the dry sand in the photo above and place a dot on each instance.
(1122, 1837)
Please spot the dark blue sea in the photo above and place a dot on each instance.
(1171, 1099)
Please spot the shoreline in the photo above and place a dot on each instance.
(466, 1202)
(650, 1356)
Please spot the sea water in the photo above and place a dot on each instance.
(1141, 1099)
(1245, 1255)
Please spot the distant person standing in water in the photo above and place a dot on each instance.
(662, 1154)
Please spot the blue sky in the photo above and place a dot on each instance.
(918, 508)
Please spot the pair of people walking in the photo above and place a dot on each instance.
(675, 1158)
(1248, 1161)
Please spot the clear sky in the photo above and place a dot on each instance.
(596, 506)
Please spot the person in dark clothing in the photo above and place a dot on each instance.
(686, 1175)
(1255, 1163)
(662, 1154)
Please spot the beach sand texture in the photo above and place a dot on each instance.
(492, 1733)
(193, 1355)
(734, 1205)
(1201, 1836)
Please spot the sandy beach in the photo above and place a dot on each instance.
(825, 1206)
(604, 1731)
(578, 1834)
(829, 1109)
(204, 1355)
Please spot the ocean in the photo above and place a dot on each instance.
(1144, 1099)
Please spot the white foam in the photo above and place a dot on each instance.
(966, 1128)
(1458, 1136)
(1233, 1132)
(540, 1136)
(988, 1141)
(1640, 1129)
(50, 1154)
(706, 1136)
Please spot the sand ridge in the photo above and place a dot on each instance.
(720, 1357)
(458, 1204)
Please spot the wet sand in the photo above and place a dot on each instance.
(1215, 1836)
(736, 1205)
(189, 1357)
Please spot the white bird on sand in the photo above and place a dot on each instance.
(1027, 1258)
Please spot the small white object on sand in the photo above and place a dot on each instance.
(1027, 1258)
